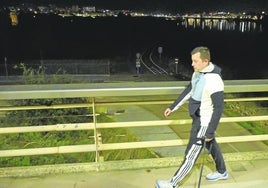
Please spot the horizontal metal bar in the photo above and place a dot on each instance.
(178, 142)
(247, 138)
(177, 122)
(247, 99)
(83, 105)
(90, 126)
(42, 107)
(144, 144)
(119, 146)
(46, 128)
(48, 150)
(12, 92)
(243, 119)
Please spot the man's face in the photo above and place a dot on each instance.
(197, 63)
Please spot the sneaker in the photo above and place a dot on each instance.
(215, 176)
(163, 184)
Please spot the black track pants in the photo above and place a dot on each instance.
(194, 149)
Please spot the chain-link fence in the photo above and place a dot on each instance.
(50, 67)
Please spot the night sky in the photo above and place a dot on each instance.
(160, 5)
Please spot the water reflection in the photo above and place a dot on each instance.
(221, 24)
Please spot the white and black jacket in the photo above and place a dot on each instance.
(206, 98)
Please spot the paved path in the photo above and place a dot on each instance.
(243, 174)
(151, 133)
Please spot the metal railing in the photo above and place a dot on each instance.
(111, 94)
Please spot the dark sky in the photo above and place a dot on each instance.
(162, 5)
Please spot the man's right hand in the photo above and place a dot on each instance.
(167, 112)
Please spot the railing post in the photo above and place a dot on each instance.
(97, 134)
(95, 130)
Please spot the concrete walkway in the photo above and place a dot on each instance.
(151, 133)
(243, 174)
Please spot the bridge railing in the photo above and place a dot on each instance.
(122, 101)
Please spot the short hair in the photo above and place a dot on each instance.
(204, 52)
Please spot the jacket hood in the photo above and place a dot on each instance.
(212, 68)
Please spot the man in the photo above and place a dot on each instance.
(206, 100)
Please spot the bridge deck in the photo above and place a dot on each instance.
(242, 174)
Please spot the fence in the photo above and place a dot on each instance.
(54, 66)
(119, 100)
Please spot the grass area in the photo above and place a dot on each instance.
(121, 135)
(54, 139)
(233, 109)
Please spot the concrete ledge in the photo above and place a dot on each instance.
(30, 171)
